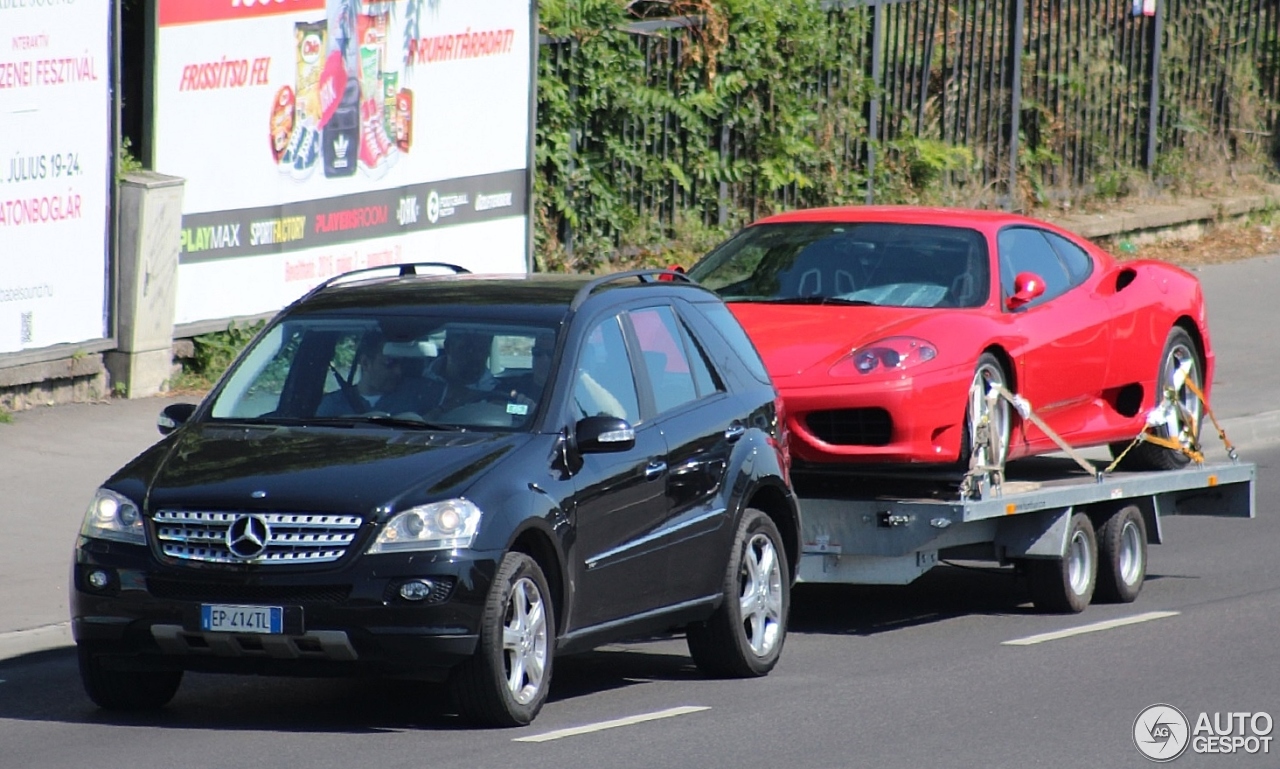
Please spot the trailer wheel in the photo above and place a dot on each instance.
(1065, 585)
(1122, 556)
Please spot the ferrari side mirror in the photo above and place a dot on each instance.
(1027, 287)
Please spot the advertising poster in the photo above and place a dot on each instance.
(55, 143)
(322, 136)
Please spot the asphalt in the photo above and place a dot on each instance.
(52, 459)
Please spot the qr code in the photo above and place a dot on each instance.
(28, 333)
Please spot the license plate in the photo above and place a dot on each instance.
(226, 618)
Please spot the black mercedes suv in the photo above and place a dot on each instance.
(451, 477)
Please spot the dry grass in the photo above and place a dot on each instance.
(1224, 243)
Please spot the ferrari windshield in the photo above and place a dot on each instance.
(393, 370)
(897, 265)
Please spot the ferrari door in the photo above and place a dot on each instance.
(1063, 336)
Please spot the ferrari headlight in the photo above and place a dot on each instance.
(446, 525)
(895, 353)
(113, 516)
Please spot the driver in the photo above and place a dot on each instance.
(377, 383)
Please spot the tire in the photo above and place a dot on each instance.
(1178, 349)
(744, 637)
(505, 683)
(1122, 556)
(988, 370)
(113, 689)
(1065, 585)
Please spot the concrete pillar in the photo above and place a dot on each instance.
(149, 227)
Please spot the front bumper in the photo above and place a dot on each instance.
(926, 414)
(338, 621)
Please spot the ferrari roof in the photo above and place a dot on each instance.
(962, 217)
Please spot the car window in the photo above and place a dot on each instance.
(604, 385)
(1024, 249)
(447, 371)
(1079, 263)
(729, 327)
(259, 382)
(881, 263)
(704, 375)
(666, 364)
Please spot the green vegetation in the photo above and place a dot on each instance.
(650, 143)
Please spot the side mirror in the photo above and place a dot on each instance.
(1027, 287)
(175, 415)
(601, 435)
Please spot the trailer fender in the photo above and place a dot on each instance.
(1040, 534)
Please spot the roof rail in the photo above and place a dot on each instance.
(644, 276)
(397, 270)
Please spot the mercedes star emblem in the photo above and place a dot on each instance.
(247, 537)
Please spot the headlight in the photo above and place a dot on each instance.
(447, 525)
(113, 516)
(896, 353)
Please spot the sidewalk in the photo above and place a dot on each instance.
(52, 459)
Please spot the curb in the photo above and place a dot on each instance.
(38, 639)
(1245, 432)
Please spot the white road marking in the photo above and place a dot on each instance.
(1093, 628)
(601, 726)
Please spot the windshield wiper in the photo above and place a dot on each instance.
(817, 300)
(355, 419)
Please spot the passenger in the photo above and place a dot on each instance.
(526, 389)
(458, 379)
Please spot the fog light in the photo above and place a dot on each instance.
(98, 579)
(417, 590)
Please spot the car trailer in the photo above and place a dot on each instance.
(1078, 533)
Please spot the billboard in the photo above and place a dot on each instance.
(321, 136)
(55, 166)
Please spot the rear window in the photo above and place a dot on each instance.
(731, 330)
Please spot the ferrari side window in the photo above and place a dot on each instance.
(1023, 249)
(1078, 262)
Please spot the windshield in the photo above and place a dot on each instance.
(898, 265)
(406, 372)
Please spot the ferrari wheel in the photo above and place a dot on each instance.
(986, 433)
(1179, 363)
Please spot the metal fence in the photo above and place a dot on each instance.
(1050, 98)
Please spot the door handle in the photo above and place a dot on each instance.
(655, 468)
(734, 431)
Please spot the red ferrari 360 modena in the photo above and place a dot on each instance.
(883, 327)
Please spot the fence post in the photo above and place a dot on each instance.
(1015, 102)
(722, 215)
(1153, 109)
(873, 109)
(567, 239)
